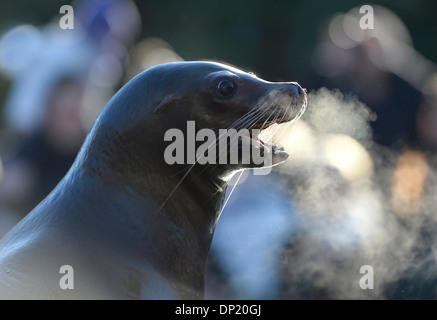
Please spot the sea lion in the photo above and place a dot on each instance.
(125, 224)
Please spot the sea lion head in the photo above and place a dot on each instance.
(212, 96)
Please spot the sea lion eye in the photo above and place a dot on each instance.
(226, 88)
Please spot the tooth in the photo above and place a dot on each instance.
(277, 149)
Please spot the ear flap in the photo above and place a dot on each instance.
(165, 103)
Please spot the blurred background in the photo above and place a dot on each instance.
(360, 187)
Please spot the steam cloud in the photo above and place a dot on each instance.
(357, 204)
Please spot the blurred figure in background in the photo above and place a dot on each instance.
(380, 67)
(61, 79)
(41, 160)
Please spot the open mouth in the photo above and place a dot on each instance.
(264, 134)
(260, 137)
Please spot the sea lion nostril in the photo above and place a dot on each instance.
(294, 88)
(300, 90)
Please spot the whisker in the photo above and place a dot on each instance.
(269, 132)
(284, 126)
(230, 194)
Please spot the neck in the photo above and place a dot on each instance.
(170, 222)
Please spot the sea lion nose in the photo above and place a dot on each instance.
(297, 88)
(300, 96)
(300, 90)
